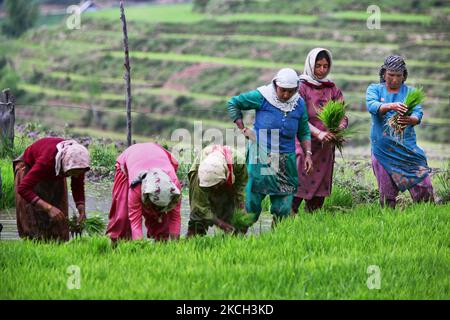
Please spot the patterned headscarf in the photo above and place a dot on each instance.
(393, 63)
(285, 78)
(71, 155)
(308, 71)
(216, 166)
(158, 188)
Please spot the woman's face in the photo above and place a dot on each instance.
(393, 79)
(321, 68)
(284, 94)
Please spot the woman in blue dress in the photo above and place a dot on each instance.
(271, 162)
(398, 163)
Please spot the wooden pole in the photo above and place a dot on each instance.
(7, 119)
(127, 76)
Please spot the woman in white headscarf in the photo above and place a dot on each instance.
(217, 180)
(280, 118)
(41, 190)
(317, 89)
(145, 185)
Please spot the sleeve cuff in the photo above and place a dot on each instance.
(35, 199)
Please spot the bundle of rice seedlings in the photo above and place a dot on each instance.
(331, 116)
(75, 228)
(242, 220)
(412, 99)
(92, 226)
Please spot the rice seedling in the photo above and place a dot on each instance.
(91, 226)
(412, 99)
(242, 220)
(317, 256)
(331, 116)
(443, 185)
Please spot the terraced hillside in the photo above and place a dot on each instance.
(186, 64)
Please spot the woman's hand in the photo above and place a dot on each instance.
(249, 134)
(407, 121)
(56, 214)
(53, 212)
(226, 227)
(325, 136)
(308, 164)
(82, 214)
(398, 107)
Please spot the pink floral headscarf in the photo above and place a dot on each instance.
(71, 155)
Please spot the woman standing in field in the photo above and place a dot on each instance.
(41, 189)
(280, 118)
(398, 164)
(145, 184)
(316, 89)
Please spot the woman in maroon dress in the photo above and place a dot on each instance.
(317, 90)
(41, 189)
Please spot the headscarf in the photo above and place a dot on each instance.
(393, 63)
(308, 71)
(157, 188)
(71, 155)
(285, 78)
(216, 166)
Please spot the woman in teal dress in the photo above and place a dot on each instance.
(271, 162)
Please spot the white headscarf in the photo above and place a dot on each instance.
(71, 155)
(308, 71)
(213, 169)
(285, 78)
(158, 188)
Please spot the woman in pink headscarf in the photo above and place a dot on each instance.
(41, 189)
(145, 185)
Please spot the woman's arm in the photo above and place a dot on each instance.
(246, 101)
(375, 107)
(77, 186)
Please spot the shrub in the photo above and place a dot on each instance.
(103, 157)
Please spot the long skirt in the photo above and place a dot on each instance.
(421, 192)
(32, 222)
(270, 174)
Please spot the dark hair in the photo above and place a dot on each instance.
(321, 55)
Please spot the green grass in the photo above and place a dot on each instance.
(314, 256)
(103, 157)
(203, 96)
(98, 134)
(265, 18)
(7, 186)
(263, 64)
(178, 13)
(182, 13)
(70, 94)
(273, 39)
(385, 16)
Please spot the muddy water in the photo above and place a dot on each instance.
(98, 201)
